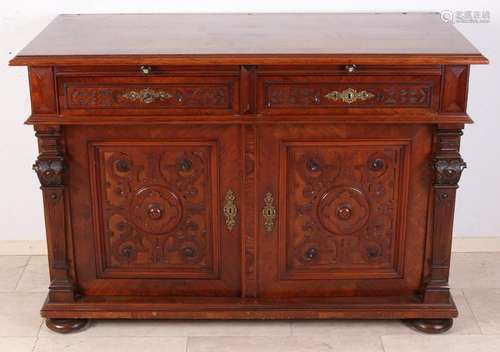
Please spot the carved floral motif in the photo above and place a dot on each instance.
(156, 206)
(290, 95)
(343, 202)
(85, 97)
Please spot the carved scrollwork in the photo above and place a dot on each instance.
(344, 207)
(327, 95)
(49, 171)
(449, 171)
(156, 208)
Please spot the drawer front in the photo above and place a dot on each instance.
(148, 95)
(338, 94)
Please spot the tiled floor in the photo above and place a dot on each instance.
(476, 287)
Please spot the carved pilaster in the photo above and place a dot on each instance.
(250, 239)
(448, 166)
(50, 167)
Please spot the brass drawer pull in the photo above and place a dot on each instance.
(146, 70)
(147, 95)
(349, 95)
(269, 212)
(350, 68)
(230, 210)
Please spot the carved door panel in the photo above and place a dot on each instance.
(165, 214)
(339, 211)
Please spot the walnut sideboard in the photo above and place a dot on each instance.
(249, 166)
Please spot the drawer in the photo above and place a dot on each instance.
(152, 95)
(337, 94)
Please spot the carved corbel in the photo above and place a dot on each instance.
(448, 171)
(50, 171)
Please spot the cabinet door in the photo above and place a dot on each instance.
(164, 203)
(343, 209)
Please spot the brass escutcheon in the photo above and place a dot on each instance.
(269, 212)
(147, 95)
(349, 95)
(230, 210)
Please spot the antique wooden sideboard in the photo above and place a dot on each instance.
(249, 166)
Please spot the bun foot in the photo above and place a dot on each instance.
(431, 326)
(66, 326)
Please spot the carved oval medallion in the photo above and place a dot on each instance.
(155, 210)
(343, 210)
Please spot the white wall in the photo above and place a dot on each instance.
(20, 202)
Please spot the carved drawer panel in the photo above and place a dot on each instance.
(147, 95)
(338, 94)
(343, 201)
(155, 211)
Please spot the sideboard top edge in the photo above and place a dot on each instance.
(250, 38)
(257, 59)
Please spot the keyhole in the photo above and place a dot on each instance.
(148, 98)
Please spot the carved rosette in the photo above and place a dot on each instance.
(343, 210)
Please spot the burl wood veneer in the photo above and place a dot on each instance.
(249, 166)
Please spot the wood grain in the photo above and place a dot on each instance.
(248, 39)
(336, 136)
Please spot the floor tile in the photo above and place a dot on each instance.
(36, 276)
(23, 247)
(349, 328)
(110, 328)
(485, 304)
(464, 324)
(11, 269)
(475, 270)
(439, 343)
(17, 344)
(76, 343)
(285, 344)
(20, 314)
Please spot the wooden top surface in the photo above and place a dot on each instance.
(249, 39)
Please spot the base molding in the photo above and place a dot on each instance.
(244, 308)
